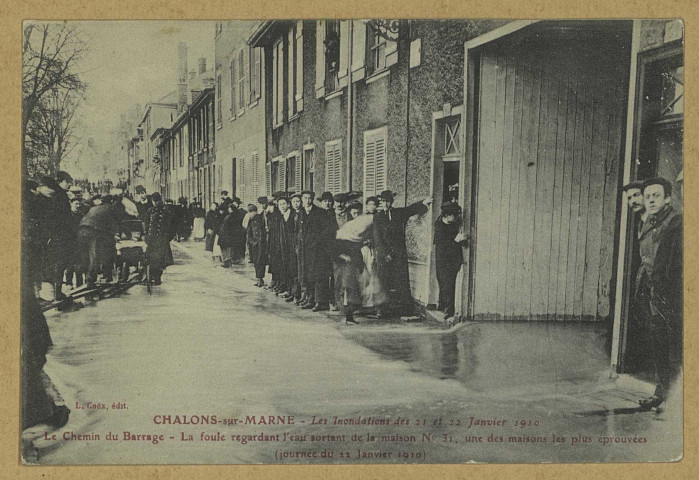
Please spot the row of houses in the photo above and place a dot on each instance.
(533, 127)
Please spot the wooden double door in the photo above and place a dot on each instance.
(548, 144)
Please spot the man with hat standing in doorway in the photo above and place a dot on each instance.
(391, 251)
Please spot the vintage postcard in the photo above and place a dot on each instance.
(352, 241)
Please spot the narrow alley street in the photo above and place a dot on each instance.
(207, 343)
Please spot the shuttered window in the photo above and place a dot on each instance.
(241, 185)
(254, 183)
(281, 175)
(255, 74)
(233, 82)
(375, 165)
(293, 173)
(219, 118)
(268, 178)
(278, 84)
(333, 166)
(241, 80)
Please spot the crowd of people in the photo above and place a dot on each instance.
(70, 239)
(333, 252)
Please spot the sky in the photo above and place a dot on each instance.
(130, 63)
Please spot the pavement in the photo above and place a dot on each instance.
(208, 343)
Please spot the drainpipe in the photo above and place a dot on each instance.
(407, 116)
(350, 105)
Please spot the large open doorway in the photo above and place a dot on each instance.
(549, 113)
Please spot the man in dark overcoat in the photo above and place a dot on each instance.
(96, 235)
(158, 233)
(318, 237)
(391, 251)
(658, 295)
(60, 241)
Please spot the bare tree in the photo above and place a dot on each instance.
(50, 55)
(50, 131)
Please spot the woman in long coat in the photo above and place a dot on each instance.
(158, 236)
(212, 223)
(231, 235)
(257, 244)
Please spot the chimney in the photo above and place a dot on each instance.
(181, 77)
(202, 65)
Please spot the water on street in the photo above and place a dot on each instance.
(208, 343)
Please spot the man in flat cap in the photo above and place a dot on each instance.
(658, 294)
(391, 251)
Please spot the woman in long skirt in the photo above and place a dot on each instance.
(198, 230)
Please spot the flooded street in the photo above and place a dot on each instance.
(194, 372)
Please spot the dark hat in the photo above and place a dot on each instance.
(355, 206)
(224, 192)
(326, 196)
(295, 195)
(263, 200)
(451, 208)
(156, 197)
(140, 189)
(63, 175)
(49, 182)
(277, 195)
(388, 195)
(340, 198)
(236, 200)
(353, 195)
(309, 192)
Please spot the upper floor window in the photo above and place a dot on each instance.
(233, 82)
(241, 79)
(295, 70)
(332, 55)
(255, 73)
(278, 83)
(219, 117)
(382, 43)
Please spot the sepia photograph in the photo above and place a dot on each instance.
(351, 241)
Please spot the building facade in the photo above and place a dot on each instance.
(157, 115)
(240, 108)
(533, 127)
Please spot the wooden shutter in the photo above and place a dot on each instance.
(320, 58)
(281, 170)
(233, 82)
(359, 50)
(275, 86)
(242, 187)
(298, 173)
(299, 66)
(374, 162)
(268, 178)
(344, 52)
(255, 181)
(290, 90)
(246, 81)
(333, 167)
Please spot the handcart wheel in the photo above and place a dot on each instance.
(149, 287)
